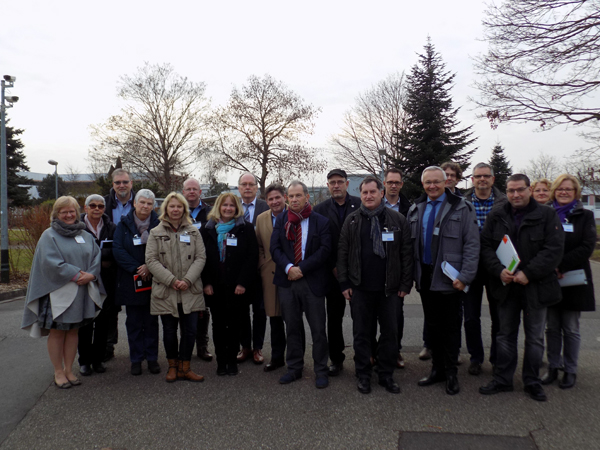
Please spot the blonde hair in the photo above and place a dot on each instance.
(215, 213)
(63, 202)
(560, 180)
(181, 199)
(545, 181)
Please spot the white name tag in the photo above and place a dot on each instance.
(79, 239)
(232, 242)
(387, 236)
(568, 227)
(137, 241)
(197, 224)
(436, 231)
(185, 238)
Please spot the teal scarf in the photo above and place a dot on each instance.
(222, 230)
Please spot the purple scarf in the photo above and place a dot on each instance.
(563, 211)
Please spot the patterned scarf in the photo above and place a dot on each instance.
(67, 230)
(222, 229)
(373, 216)
(292, 227)
(142, 227)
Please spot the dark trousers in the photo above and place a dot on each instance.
(336, 307)
(252, 333)
(278, 340)
(228, 315)
(442, 316)
(112, 327)
(368, 308)
(92, 340)
(202, 329)
(182, 349)
(534, 322)
(142, 333)
(295, 301)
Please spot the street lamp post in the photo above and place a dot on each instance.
(55, 164)
(381, 152)
(5, 102)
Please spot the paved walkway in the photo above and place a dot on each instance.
(117, 411)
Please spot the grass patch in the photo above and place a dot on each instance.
(20, 260)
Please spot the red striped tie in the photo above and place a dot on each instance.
(298, 245)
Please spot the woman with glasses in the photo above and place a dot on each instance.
(63, 295)
(541, 191)
(93, 336)
(133, 282)
(562, 328)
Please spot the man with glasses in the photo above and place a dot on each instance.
(336, 209)
(444, 232)
(453, 176)
(253, 331)
(537, 235)
(118, 203)
(198, 213)
(485, 197)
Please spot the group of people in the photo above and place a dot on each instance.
(286, 260)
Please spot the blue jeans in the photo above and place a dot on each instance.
(142, 333)
(183, 349)
(534, 321)
(563, 327)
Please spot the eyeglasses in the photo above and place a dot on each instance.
(191, 190)
(119, 183)
(94, 206)
(451, 175)
(429, 183)
(247, 184)
(565, 190)
(394, 183)
(479, 177)
(67, 213)
(336, 183)
(515, 191)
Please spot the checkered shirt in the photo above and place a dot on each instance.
(482, 208)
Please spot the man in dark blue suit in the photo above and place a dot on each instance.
(300, 247)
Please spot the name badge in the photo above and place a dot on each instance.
(232, 242)
(137, 241)
(568, 227)
(79, 239)
(185, 238)
(387, 236)
(198, 225)
(436, 231)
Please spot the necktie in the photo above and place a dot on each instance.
(247, 212)
(429, 233)
(298, 245)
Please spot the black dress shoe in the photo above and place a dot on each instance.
(335, 369)
(434, 377)
(493, 387)
(86, 370)
(390, 385)
(568, 380)
(221, 370)
(274, 365)
(452, 387)
(204, 354)
(550, 377)
(364, 385)
(153, 367)
(474, 368)
(99, 367)
(109, 355)
(136, 368)
(232, 369)
(536, 392)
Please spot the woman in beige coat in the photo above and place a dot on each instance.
(175, 256)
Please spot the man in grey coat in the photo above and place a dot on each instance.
(444, 233)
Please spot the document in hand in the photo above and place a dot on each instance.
(507, 254)
(452, 273)
(573, 278)
(141, 285)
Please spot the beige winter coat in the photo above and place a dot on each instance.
(169, 258)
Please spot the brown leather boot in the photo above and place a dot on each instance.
(172, 372)
(188, 374)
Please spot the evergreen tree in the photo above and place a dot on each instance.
(500, 165)
(47, 187)
(432, 135)
(15, 162)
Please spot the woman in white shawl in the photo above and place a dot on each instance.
(63, 294)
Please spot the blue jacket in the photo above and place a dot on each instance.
(129, 257)
(316, 256)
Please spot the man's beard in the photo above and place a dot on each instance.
(124, 195)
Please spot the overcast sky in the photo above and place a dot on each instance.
(68, 56)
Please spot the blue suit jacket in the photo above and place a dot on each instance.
(316, 254)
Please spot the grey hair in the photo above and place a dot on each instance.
(93, 197)
(190, 180)
(298, 183)
(247, 173)
(483, 165)
(117, 172)
(145, 193)
(431, 169)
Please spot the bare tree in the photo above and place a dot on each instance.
(260, 131)
(543, 166)
(158, 130)
(542, 62)
(585, 163)
(373, 123)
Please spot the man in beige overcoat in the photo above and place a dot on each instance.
(275, 196)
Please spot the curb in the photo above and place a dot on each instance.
(11, 295)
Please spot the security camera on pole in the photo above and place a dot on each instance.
(7, 81)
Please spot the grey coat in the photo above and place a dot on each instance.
(457, 242)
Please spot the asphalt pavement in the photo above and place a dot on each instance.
(118, 411)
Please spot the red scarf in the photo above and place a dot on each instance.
(292, 227)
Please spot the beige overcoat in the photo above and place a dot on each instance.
(170, 257)
(266, 265)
